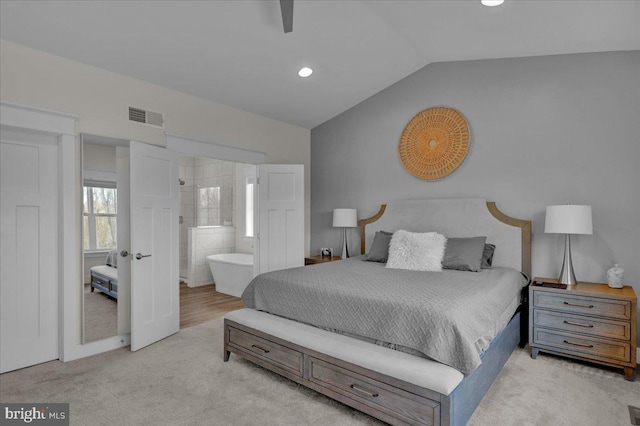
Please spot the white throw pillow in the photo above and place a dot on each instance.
(416, 251)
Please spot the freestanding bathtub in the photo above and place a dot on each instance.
(231, 272)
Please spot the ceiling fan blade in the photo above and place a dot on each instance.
(286, 8)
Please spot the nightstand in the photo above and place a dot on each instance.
(587, 321)
(320, 259)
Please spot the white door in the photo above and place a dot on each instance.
(29, 256)
(155, 207)
(123, 238)
(280, 207)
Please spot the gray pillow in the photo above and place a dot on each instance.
(379, 251)
(487, 256)
(464, 254)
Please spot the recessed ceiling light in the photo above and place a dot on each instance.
(491, 2)
(305, 72)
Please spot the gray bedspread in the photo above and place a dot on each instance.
(445, 315)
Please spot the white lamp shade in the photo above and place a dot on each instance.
(347, 218)
(568, 220)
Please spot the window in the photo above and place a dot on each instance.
(99, 216)
(208, 208)
(248, 190)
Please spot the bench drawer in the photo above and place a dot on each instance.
(408, 407)
(100, 281)
(276, 354)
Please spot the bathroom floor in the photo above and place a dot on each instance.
(203, 304)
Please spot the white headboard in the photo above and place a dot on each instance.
(457, 217)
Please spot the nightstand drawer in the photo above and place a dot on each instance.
(611, 308)
(594, 348)
(582, 324)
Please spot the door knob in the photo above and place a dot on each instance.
(124, 253)
(140, 255)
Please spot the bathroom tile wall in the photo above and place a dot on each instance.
(202, 243)
(216, 173)
(197, 243)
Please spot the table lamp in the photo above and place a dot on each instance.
(568, 219)
(345, 218)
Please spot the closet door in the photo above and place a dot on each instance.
(29, 249)
(155, 207)
(280, 215)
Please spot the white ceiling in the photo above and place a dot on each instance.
(236, 53)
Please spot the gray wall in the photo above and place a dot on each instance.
(544, 130)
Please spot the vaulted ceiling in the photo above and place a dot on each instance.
(236, 53)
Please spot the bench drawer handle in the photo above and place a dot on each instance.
(263, 350)
(578, 305)
(578, 324)
(577, 344)
(364, 391)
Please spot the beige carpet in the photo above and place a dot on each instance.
(183, 381)
(100, 315)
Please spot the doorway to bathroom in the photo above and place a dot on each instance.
(216, 218)
(278, 211)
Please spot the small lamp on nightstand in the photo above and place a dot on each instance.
(345, 218)
(568, 220)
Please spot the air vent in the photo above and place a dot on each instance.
(146, 117)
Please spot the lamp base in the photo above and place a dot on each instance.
(567, 276)
(345, 249)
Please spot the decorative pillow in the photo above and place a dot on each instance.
(112, 258)
(416, 251)
(487, 256)
(379, 251)
(464, 254)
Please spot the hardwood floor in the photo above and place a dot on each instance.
(203, 304)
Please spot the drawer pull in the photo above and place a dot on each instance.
(263, 350)
(364, 391)
(578, 305)
(578, 324)
(577, 344)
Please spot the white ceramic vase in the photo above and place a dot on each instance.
(615, 276)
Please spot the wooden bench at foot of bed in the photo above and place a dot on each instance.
(392, 386)
(105, 279)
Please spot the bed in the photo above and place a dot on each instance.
(339, 359)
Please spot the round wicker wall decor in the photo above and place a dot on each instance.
(434, 143)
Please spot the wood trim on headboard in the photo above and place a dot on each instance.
(363, 222)
(524, 225)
